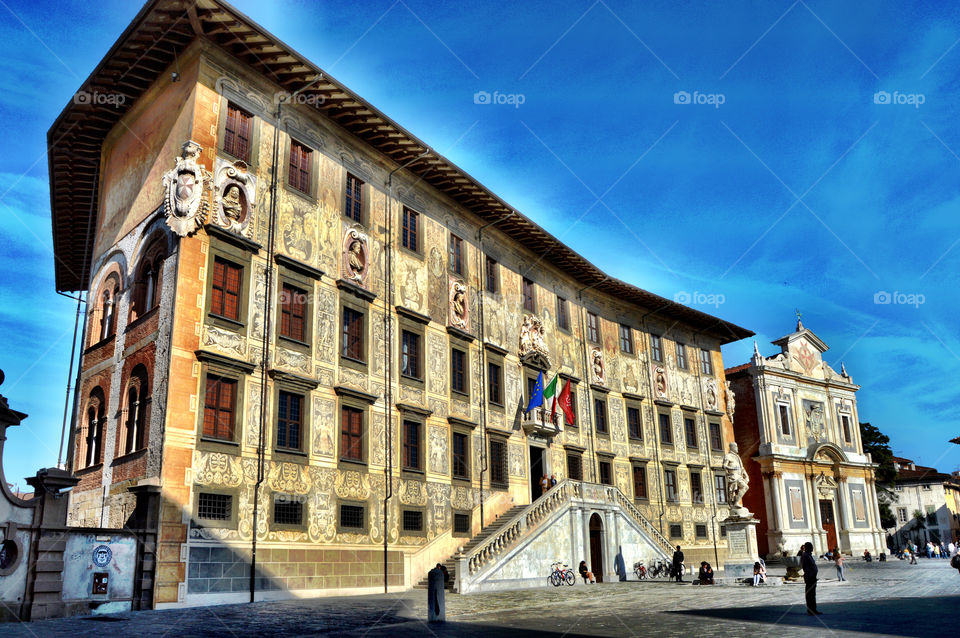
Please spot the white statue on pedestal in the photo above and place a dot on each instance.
(737, 480)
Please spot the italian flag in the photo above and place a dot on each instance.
(550, 395)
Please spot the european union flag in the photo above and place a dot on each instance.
(536, 399)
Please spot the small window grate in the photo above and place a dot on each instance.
(676, 531)
(412, 521)
(461, 523)
(214, 507)
(287, 511)
(701, 531)
(351, 516)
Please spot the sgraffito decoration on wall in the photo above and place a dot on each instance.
(235, 190)
(355, 257)
(184, 203)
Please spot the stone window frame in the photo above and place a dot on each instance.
(414, 323)
(457, 428)
(680, 350)
(706, 362)
(423, 521)
(420, 421)
(499, 439)
(417, 250)
(365, 196)
(464, 260)
(599, 397)
(667, 413)
(696, 531)
(698, 471)
(845, 412)
(593, 329)
(633, 404)
(359, 401)
(304, 512)
(238, 256)
(228, 96)
(496, 360)
(562, 309)
(291, 135)
(781, 402)
(463, 346)
(574, 451)
(487, 263)
(672, 469)
(365, 527)
(639, 464)
(453, 531)
(691, 417)
(294, 384)
(307, 285)
(363, 307)
(226, 367)
(525, 284)
(711, 427)
(720, 487)
(233, 493)
(674, 526)
(656, 348)
(625, 337)
(605, 460)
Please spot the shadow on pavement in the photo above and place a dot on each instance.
(921, 617)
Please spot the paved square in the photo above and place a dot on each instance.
(891, 598)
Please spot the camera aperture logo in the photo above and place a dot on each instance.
(909, 99)
(898, 298)
(310, 99)
(710, 99)
(510, 99)
(116, 100)
(697, 298)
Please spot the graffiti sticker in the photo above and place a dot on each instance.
(102, 555)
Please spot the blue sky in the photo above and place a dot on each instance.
(829, 173)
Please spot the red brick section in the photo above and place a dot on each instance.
(747, 435)
(181, 420)
(134, 466)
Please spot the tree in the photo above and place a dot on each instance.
(877, 444)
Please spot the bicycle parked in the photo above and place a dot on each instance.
(640, 570)
(561, 575)
(660, 569)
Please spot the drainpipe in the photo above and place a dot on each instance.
(388, 359)
(483, 355)
(586, 374)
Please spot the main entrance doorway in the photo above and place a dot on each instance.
(828, 523)
(596, 547)
(537, 470)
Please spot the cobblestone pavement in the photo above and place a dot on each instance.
(888, 599)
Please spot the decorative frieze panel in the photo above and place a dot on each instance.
(438, 450)
(324, 427)
(225, 341)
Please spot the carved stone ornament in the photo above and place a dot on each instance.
(353, 267)
(738, 482)
(710, 393)
(660, 382)
(597, 366)
(184, 203)
(532, 344)
(731, 400)
(826, 486)
(234, 191)
(815, 420)
(458, 304)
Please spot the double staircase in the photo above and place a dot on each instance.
(485, 533)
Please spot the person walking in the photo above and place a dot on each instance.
(838, 561)
(678, 564)
(809, 565)
(952, 549)
(913, 557)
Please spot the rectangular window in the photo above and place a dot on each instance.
(461, 523)
(410, 234)
(412, 458)
(498, 463)
(639, 481)
(352, 336)
(456, 254)
(670, 485)
(293, 310)
(681, 356)
(634, 425)
(218, 407)
(676, 530)
(237, 132)
(563, 316)
(458, 370)
(299, 172)
(784, 414)
(626, 339)
(529, 296)
(720, 487)
(287, 511)
(716, 440)
(575, 466)
(290, 420)
(410, 354)
(353, 202)
(605, 473)
(696, 487)
(351, 516)
(495, 383)
(351, 433)
(493, 279)
(656, 348)
(706, 363)
(700, 530)
(225, 296)
(593, 327)
(412, 521)
(846, 428)
(214, 507)
(461, 455)
(600, 415)
(690, 430)
(902, 514)
(666, 432)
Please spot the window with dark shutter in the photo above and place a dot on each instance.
(600, 414)
(634, 425)
(237, 132)
(219, 405)
(299, 170)
(351, 433)
(498, 463)
(458, 371)
(720, 487)
(456, 254)
(593, 329)
(293, 310)
(626, 339)
(696, 487)
(690, 430)
(410, 354)
(670, 484)
(352, 336)
(575, 466)
(639, 481)
(353, 202)
(225, 292)
(706, 363)
(666, 433)
(410, 230)
(681, 356)
(529, 297)
(493, 281)
(563, 316)
(289, 420)
(656, 348)
(605, 474)
(494, 383)
(411, 445)
(716, 442)
(461, 456)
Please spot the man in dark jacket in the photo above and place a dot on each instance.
(677, 564)
(809, 565)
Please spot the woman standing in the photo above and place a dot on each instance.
(838, 560)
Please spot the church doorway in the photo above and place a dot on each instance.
(828, 523)
(537, 470)
(596, 547)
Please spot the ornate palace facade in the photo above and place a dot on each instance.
(797, 427)
(301, 315)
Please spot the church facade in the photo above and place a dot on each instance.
(797, 428)
(318, 336)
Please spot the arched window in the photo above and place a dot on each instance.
(138, 400)
(90, 441)
(146, 294)
(106, 308)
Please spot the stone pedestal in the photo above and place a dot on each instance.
(742, 546)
